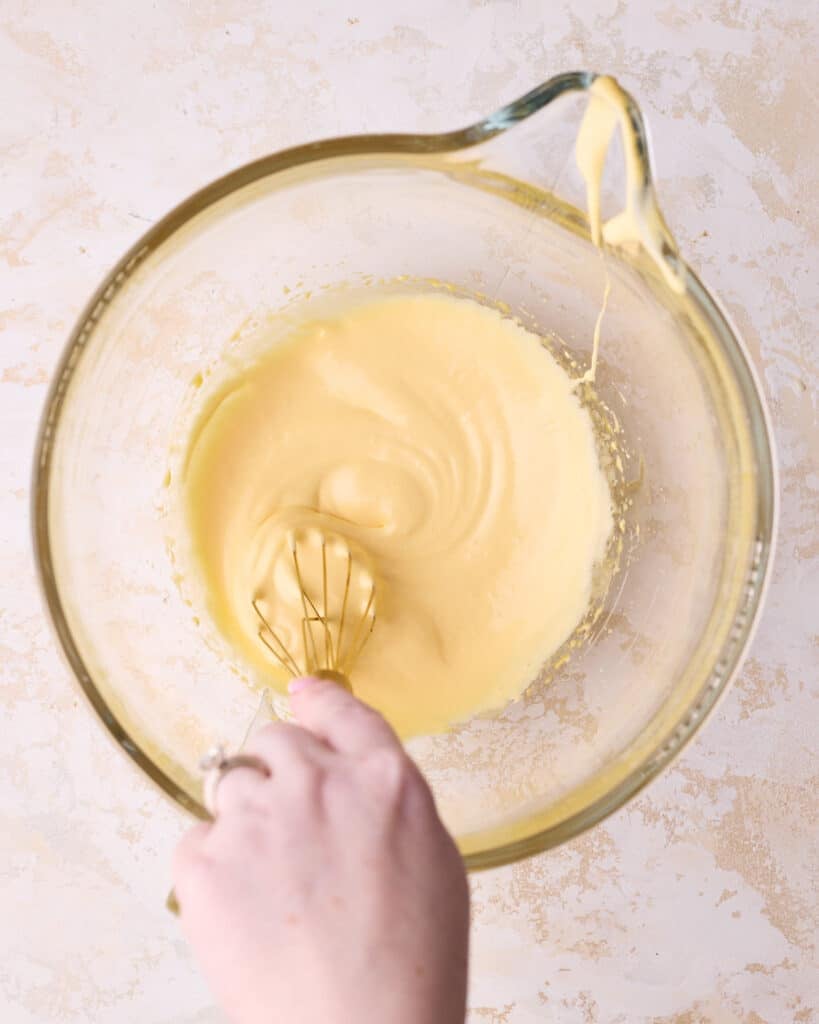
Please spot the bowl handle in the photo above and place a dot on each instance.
(640, 223)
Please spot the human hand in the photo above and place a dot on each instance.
(330, 892)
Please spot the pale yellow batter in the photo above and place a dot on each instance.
(449, 448)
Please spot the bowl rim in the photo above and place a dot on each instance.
(667, 747)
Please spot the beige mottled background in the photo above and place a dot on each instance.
(698, 902)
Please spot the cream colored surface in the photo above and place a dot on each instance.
(697, 902)
(446, 446)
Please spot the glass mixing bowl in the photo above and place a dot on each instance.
(676, 404)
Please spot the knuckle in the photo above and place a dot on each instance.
(320, 691)
(368, 720)
(305, 777)
(240, 785)
(243, 804)
(270, 737)
(268, 729)
(389, 772)
(251, 833)
(285, 740)
(236, 839)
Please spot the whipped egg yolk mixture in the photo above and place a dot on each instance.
(444, 444)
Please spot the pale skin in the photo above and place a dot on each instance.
(329, 892)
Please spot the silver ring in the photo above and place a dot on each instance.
(216, 764)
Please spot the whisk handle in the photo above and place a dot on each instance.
(334, 677)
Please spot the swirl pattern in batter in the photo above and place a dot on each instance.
(445, 443)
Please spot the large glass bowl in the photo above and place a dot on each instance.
(676, 404)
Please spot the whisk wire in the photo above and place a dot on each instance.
(343, 615)
(362, 632)
(282, 655)
(311, 663)
(338, 656)
(328, 637)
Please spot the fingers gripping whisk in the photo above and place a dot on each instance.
(325, 609)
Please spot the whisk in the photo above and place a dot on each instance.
(320, 585)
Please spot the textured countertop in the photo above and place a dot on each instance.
(697, 902)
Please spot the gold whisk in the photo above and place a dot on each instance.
(319, 566)
(320, 581)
